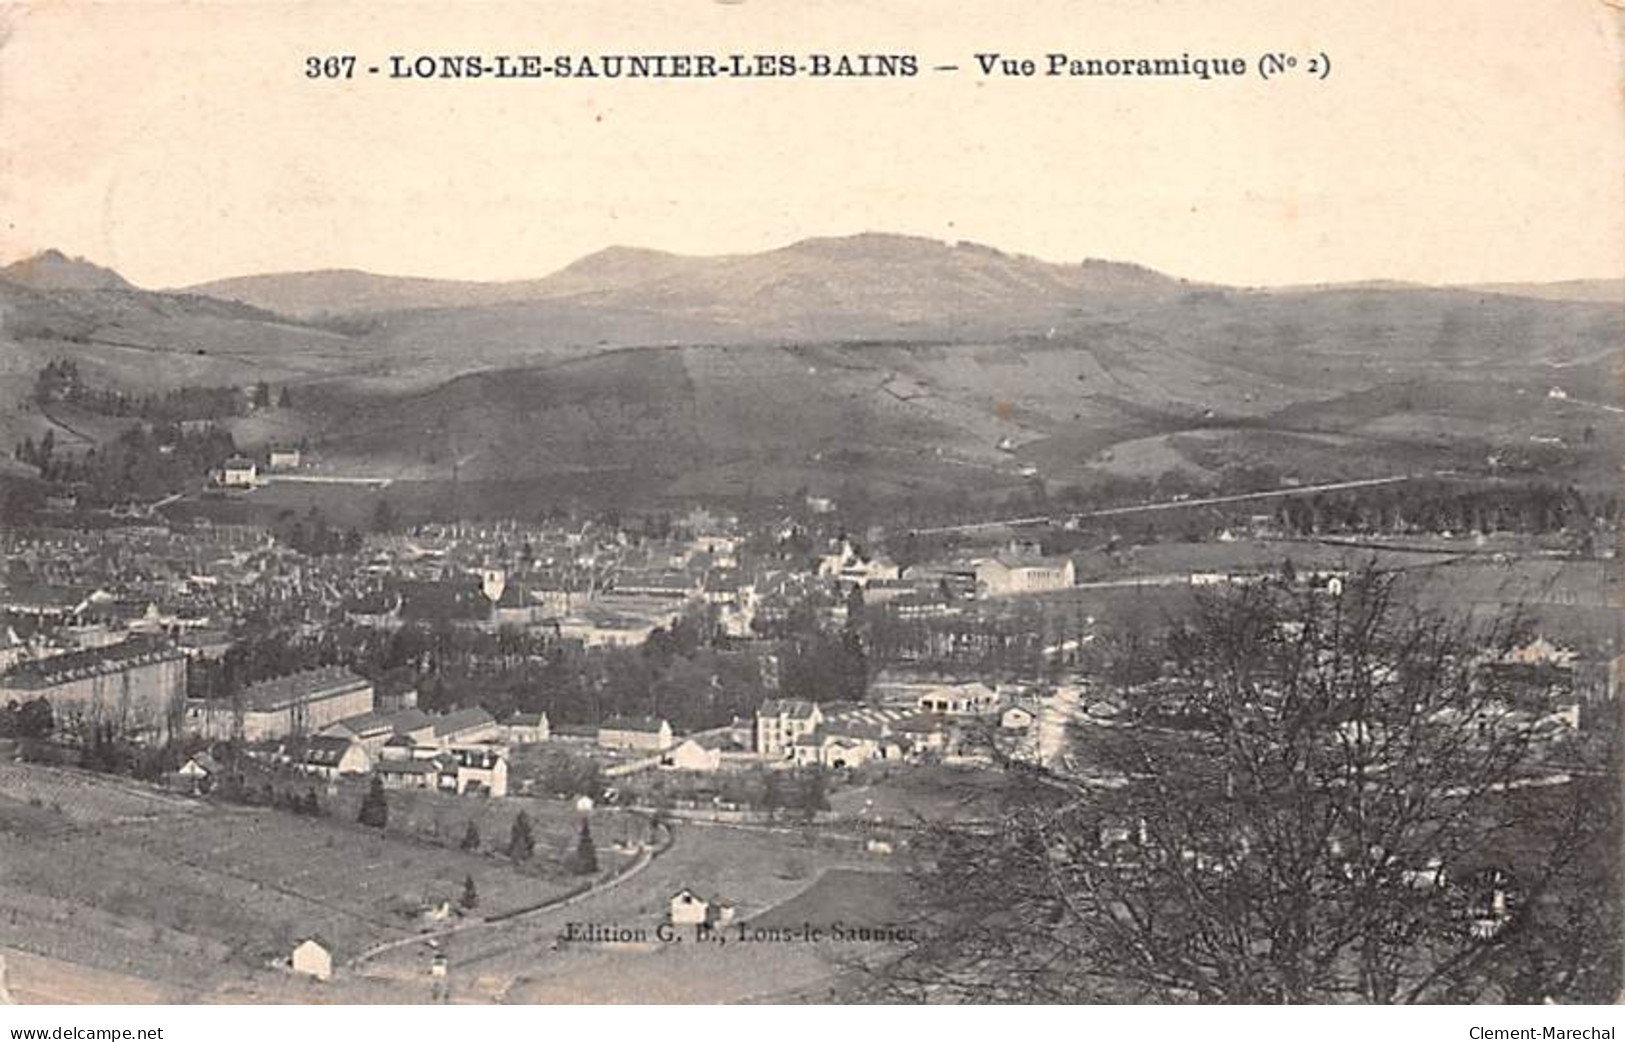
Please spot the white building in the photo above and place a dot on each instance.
(1005, 577)
(527, 729)
(313, 959)
(969, 699)
(239, 472)
(284, 458)
(781, 721)
(687, 908)
(480, 769)
(691, 754)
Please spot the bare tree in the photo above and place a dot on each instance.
(1324, 796)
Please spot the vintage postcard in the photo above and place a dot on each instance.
(740, 501)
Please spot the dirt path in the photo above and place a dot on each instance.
(644, 859)
(1181, 504)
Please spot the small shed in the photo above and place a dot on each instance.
(689, 908)
(313, 958)
(197, 774)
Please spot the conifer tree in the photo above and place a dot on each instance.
(585, 860)
(521, 841)
(374, 806)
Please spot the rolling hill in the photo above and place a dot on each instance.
(887, 363)
(52, 270)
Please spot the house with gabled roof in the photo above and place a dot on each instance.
(693, 754)
(686, 908)
(330, 756)
(312, 957)
(526, 728)
(635, 732)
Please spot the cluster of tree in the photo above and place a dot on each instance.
(982, 644)
(823, 666)
(38, 455)
(30, 720)
(312, 536)
(1437, 506)
(305, 804)
(1345, 819)
(256, 656)
(139, 464)
(805, 791)
(105, 749)
(678, 674)
(802, 792)
(564, 773)
(60, 381)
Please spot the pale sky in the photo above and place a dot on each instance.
(1454, 141)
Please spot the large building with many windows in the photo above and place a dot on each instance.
(781, 721)
(298, 704)
(138, 687)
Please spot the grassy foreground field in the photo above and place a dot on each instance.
(200, 900)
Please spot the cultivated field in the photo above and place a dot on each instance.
(200, 897)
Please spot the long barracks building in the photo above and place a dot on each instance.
(298, 704)
(137, 686)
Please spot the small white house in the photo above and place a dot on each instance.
(313, 959)
(482, 769)
(527, 729)
(239, 472)
(693, 755)
(689, 908)
(284, 458)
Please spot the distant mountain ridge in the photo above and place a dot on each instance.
(869, 272)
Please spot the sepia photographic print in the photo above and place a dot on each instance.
(732, 501)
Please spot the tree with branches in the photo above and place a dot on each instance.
(1322, 794)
